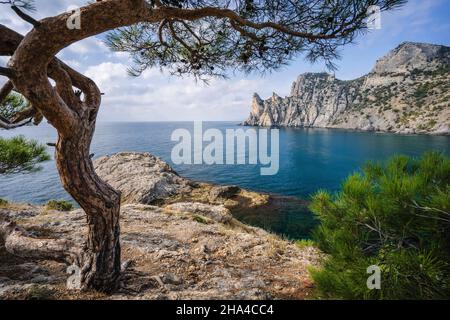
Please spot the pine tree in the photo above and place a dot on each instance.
(17, 154)
(395, 216)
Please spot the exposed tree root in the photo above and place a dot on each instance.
(19, 242)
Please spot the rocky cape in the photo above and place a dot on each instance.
(408, 91)
(179, 241)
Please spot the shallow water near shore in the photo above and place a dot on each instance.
(310, 159)
(286, 216)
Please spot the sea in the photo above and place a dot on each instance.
(310, 159)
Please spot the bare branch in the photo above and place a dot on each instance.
(6, 90)
(188, 28)
(160, 30)
(177, 38)
(27, 113)
(25, 16)
(9, 126)
(7, 72)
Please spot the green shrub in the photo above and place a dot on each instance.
(422, 91)
(18, 154)
(12, 104)
(3, 202)
(395, 216)
(38, 292)
(199, 219)
(60, 205)
(303, 243)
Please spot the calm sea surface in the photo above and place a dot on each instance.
(310, 159)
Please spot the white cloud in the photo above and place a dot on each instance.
(155, 96)
(89, 45)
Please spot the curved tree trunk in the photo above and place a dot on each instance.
(100, 260)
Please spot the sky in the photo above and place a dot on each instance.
(157, 96)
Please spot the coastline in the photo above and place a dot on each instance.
(437, 134)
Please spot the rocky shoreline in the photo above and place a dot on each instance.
(179, 241)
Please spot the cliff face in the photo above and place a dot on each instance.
(408, 91)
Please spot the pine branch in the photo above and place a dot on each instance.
(26, 17)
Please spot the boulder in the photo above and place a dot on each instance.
(140, 177)
(223, 192)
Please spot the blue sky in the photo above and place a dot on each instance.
(160, 97)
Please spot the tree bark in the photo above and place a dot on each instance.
(100, 259)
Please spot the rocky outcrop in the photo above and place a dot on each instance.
(223, 192)
(183, 251)
(140, 177)
(408, 91)
(146, 179)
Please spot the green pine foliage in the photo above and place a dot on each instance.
(395, 216)
(18, 154)
(12, 104)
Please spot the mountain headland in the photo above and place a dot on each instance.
(408, 91)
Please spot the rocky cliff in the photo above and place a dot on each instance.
(408, 91)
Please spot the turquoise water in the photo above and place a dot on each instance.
(310, 159)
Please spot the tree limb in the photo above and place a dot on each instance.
(160, 30)
(7, 72)
(8, 125)
(244, 32)
(64, 86)
(25, 16)
(194, 14)
(63, 75)
(177, 38)
(188, 28)
(25, 114)
(9, 41)
(6, 90)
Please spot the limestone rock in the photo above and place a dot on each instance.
(223, 192)
(140, 177)
(406, 92)
(216, 213)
